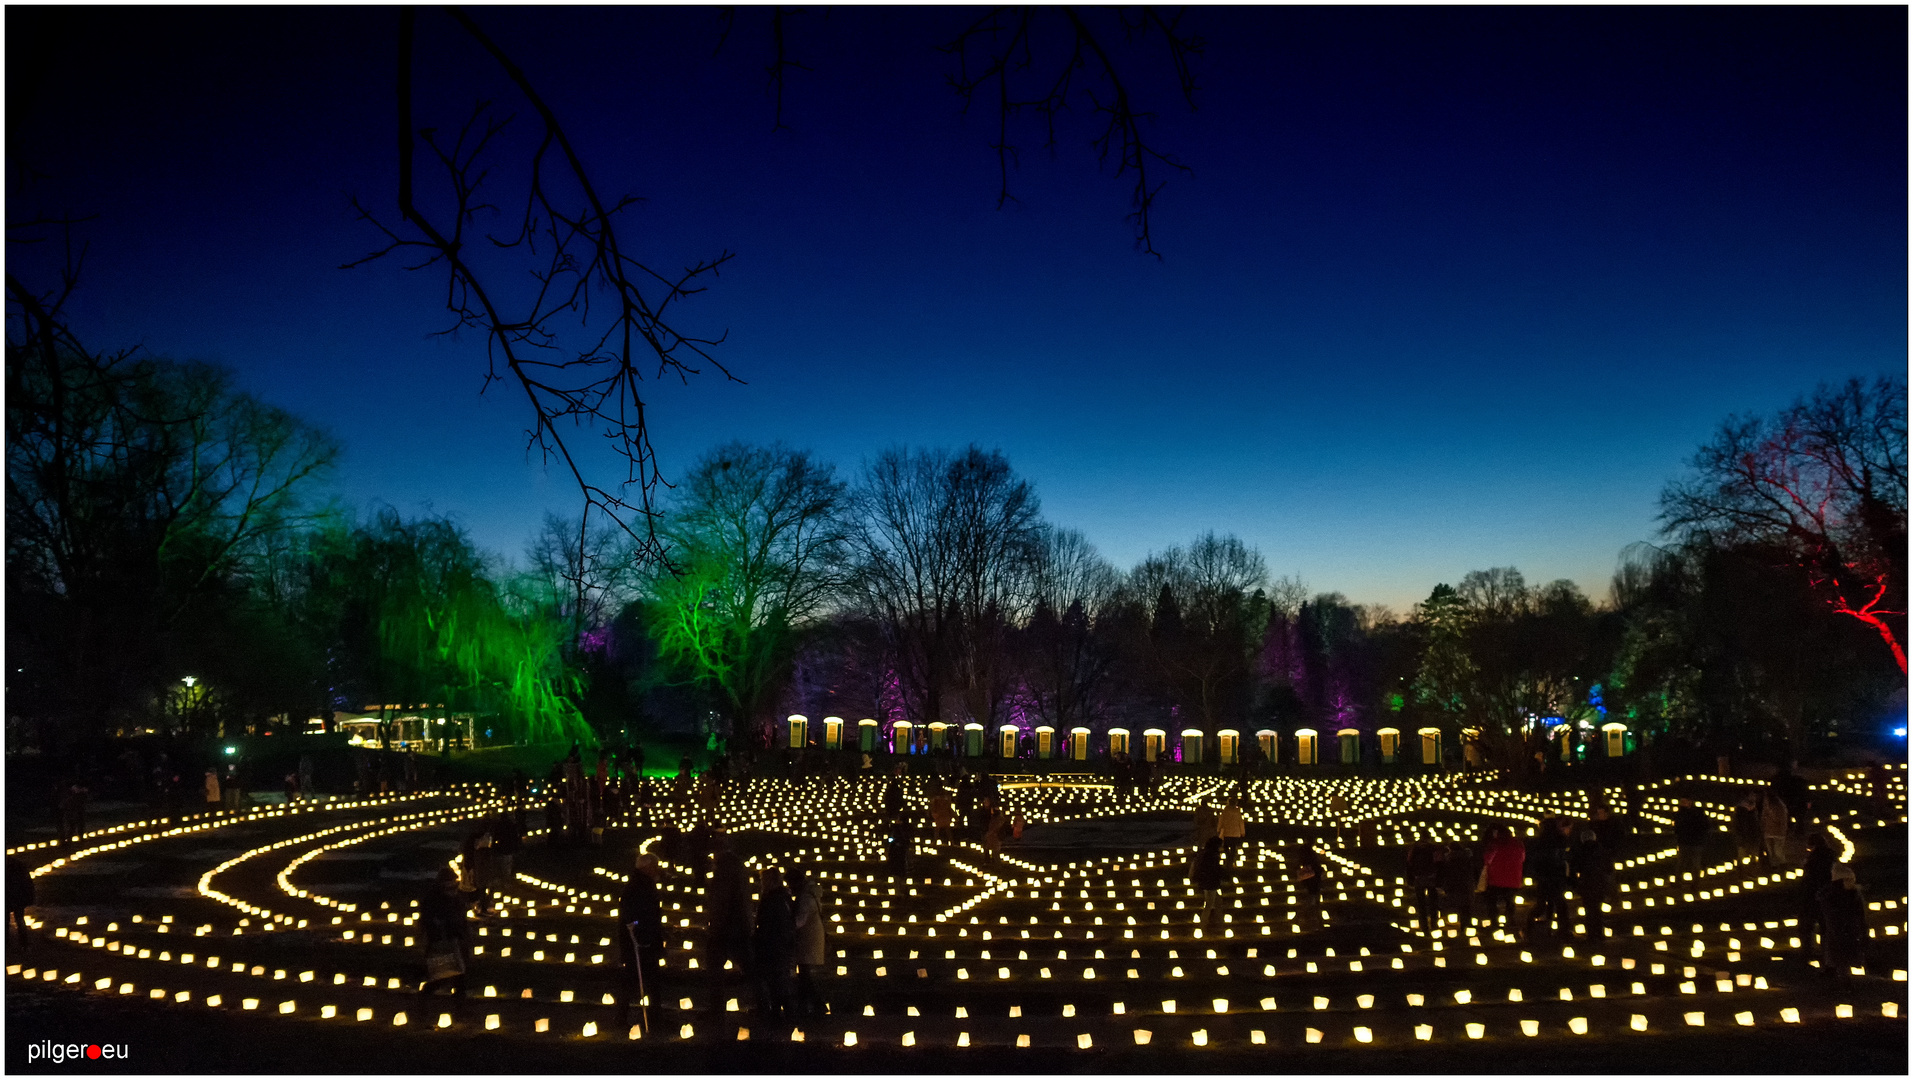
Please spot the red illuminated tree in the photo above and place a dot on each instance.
(1821, 485)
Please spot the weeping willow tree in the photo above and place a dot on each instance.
(422, 622)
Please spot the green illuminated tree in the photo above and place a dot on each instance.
(415, 618)
(755, 541)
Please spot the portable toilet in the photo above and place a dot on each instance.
(1079, 744)
(1305, 746)
(799, 731)
(833, 733)
(1152, 743)
(1351, 740)
(1006, 741)
(1228, 746)
(1045, 741)
(939, 735)
(1118, 741)
(973, 740)
(867, 736)
(1269, 743)
(1615, 735)
(1192, 746)
(1430, 745)
(900, 737)
(1391, 741)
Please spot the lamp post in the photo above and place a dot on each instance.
(186, 703)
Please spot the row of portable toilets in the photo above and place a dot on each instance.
(1074, 745)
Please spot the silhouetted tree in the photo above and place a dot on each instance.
(1501, 656)
(1207, 597)
(138, 490)
(1067, 650)
(1733, 647)
(945, 544)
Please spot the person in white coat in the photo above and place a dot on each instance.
(1231, 827)
(1773, 828)
(809, 898)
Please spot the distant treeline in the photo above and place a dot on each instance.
(162, 525)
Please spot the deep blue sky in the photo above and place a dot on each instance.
(1446, 290)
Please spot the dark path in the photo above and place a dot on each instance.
(186, 1040)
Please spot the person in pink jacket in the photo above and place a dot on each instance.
(1501, 872)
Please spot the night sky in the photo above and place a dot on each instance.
(1446, 289)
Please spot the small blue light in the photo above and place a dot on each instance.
(232, 750)
(1900, 731)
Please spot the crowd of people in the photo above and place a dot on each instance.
(1567, 858)
(971, 807)
(1454, 884)
(766, 932)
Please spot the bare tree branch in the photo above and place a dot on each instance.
(781, 61)
(589, 374)
(1006, 39)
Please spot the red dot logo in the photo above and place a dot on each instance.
(93, 1052)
